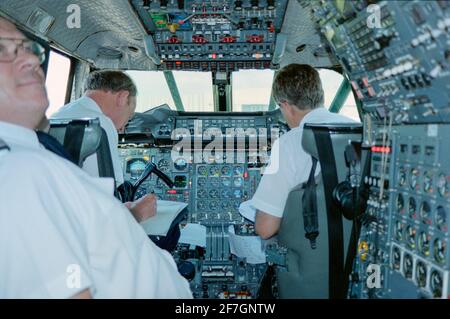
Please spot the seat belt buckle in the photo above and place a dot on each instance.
(312, 236)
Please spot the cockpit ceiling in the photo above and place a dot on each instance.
(114, 34)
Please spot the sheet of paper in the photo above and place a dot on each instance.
(247, 210)
(193, 234)
(166, 212)
(249, 247)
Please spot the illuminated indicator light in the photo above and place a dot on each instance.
(178, 62)
(365, 81)
(381, 149)
(255, 38)
(245, 175)
(171, 191)
(174, 39)
(228, 39)
(199, 39)
(359, 94)
(213, 55)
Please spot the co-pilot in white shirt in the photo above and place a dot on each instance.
(86, 107)
(62, 231)
(289, 164)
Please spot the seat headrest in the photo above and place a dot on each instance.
(336, 131)
(88, 141)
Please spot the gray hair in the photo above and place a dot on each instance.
(299, 85)
(111, 81)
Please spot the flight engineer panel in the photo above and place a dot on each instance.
(396, 56)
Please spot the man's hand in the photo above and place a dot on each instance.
(85, 294)
(266, 225)
(143, 208)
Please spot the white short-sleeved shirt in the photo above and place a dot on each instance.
(86, 107)
(289, 164)
(62, 231)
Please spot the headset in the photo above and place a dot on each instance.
(350, 196)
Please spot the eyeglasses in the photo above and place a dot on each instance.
(10, 47)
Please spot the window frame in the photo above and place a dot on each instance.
(72, 68)
(358, 104)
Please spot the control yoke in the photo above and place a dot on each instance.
(148, 170)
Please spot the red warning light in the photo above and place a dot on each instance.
(174, 39)
(381, 149)
(199, 39)
(255, 38)
(228, 39)
(171, 191)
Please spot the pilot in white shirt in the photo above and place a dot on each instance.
(298, 91)
(62, 233)
(289, 164)
(110, 96)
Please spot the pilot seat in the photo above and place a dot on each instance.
(315, 267)
(83, 138)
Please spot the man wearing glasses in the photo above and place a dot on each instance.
(62, 233)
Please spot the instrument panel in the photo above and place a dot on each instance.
(406, 228)
(213, 182)
(217, 189)
(395, 54)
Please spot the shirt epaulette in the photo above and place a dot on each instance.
(4, 146)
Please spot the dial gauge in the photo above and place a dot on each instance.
(421, 274)
(414, 181)
(441, 219)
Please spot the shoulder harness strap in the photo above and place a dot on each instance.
(309, 205)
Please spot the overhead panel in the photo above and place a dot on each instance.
(213, 35)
